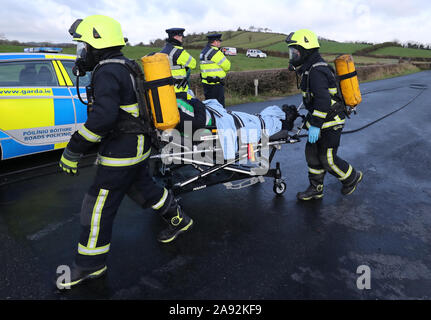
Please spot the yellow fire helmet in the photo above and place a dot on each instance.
(98, 31)
(304, 38)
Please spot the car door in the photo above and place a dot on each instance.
(80, 108)
(36, 107)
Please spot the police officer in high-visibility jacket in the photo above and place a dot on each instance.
(123, 152)
(214, 66)
(325, 119)
(180, 60)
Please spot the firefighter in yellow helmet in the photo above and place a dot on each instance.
(180, 60)
(325, 119)
(124, 148)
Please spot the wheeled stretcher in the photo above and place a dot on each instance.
(191, 174)
(187, 164)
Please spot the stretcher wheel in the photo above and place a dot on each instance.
(279, 188)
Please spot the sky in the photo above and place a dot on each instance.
(145, 20)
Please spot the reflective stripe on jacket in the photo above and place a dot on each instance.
(113, 94)
(213, 65)
(179, 60)
(322, 96)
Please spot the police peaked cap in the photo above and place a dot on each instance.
(175, 31)
(214, 36)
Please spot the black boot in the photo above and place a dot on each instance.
(314, 190)
(178, 221)
(350, 187)
(177, 224)
(79, 275)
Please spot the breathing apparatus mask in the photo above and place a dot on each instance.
(296, 56)
(85, 59)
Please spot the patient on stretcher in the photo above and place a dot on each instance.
(232, 125)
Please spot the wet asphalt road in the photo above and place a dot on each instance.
(248, 243)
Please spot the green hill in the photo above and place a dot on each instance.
(271, 41)
(325, 47)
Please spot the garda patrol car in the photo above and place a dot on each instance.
(39, 106)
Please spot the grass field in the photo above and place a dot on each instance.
(403, 52)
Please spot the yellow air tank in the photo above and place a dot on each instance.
(161, 94)
(349, 84)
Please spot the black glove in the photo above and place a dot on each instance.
(291, 115)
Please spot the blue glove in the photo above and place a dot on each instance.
(313, 134)
(69, 162)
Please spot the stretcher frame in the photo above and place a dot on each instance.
(208, 173)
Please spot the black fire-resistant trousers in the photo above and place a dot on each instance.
(322, 157)
(101, 203)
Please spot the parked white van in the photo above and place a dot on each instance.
(229, 51)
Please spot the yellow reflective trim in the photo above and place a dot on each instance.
(332, 90)
(319, 114)
(65, 74)
(26, 113)
(161, 202)
(330, 158)
(133, 109)
(315, 171)
(122, 162)
(59, 75)
(67, 285)
(93, 251)
(95, 219)
(69, 163)
(140, 147)
(88, 135)
(337, 121)
(348, 173)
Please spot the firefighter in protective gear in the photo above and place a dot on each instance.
(123, 156)
(325, 119)
(180, 60)
(214, 66)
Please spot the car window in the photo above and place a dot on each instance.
(83, 81)
(27, 74)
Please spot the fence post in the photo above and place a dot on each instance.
(256, 85)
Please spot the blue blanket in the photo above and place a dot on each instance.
(252, 130)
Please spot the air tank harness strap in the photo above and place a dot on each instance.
(347, 75)
(153, 85)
